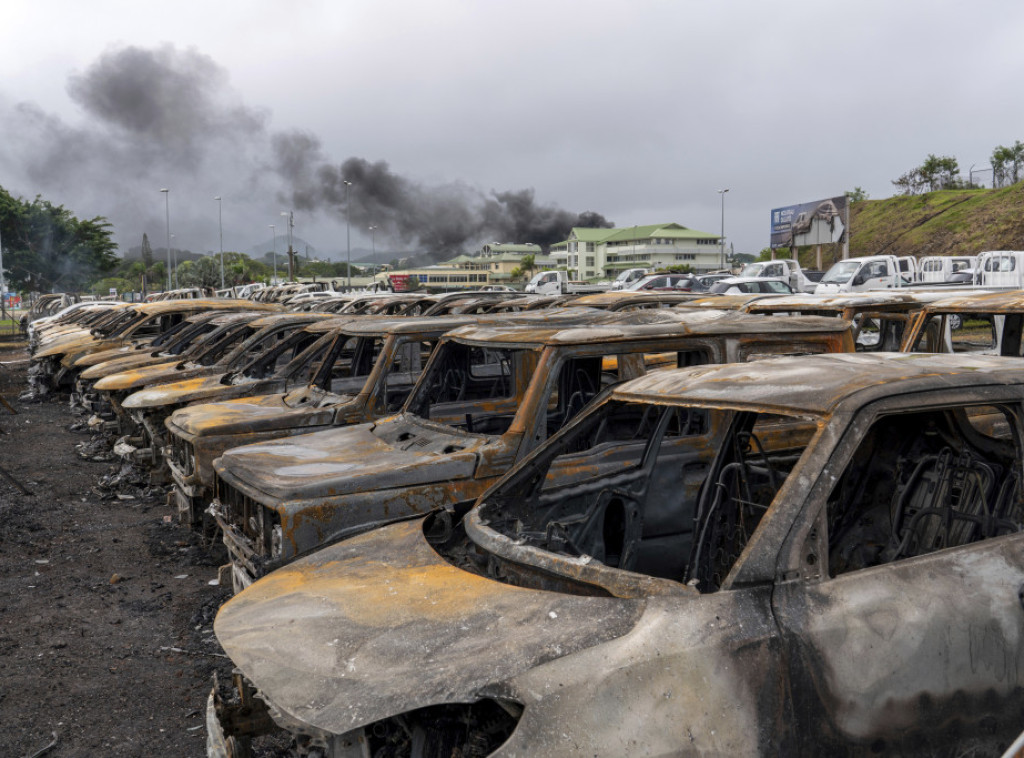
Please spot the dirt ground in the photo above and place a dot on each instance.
(106, 606)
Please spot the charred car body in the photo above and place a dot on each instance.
(368, 371)
(231, 346)
(53, 365)
(179, 345)
(488, 397)
(801, 557)
(283, 354)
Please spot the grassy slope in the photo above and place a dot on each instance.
(937, 223)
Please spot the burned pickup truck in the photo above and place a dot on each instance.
(488, 397)
(804, 556)
(367, 372)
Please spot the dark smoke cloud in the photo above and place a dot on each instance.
(441, 219)
(167, 117)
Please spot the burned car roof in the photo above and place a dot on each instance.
(1005, 302)
(638, 324)
(845, 300)
(818, 384)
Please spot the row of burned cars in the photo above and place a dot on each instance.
(622, 524)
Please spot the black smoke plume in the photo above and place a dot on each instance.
(166, 117)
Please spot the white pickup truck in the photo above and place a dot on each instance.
(558, 283)
(787, 269)
(934, 269)
(873, 272)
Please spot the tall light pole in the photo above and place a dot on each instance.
(220, 223)
(167, 209)
(373, 241)
(291, 222)
(721, 242)
(3, 288)
(348, 234)
(273, 228)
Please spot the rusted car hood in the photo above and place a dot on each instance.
(159, 373)
(249, 415)
(185, 391)
(132, 360)
(350, 459)
(73, 343)
(380, 624)
(133, 349)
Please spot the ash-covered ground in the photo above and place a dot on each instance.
(106, 606)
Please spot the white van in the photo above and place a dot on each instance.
(873, 272)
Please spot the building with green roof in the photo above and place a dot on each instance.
(602, 253)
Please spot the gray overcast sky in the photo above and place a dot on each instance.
(639, 111)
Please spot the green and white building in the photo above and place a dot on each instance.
(603, 253)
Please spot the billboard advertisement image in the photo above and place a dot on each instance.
(820, 222)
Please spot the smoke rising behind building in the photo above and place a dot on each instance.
(168, 117)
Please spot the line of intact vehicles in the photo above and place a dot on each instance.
(622, 523)
(998, 268)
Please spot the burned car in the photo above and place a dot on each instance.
(234, 344)
(489, 396)
(368, 371)
(803, 556)
(53, 365)
(280, 356)
(987, 324)
(187, 341)
(880, 318)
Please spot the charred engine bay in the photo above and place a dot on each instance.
(106, 611)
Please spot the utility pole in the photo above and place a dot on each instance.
(348, 234)
(220, 223)
(291, 253)
(721, 242)
(167, 208)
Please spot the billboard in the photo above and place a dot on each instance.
(820, 222)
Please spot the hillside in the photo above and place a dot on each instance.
(936, 223)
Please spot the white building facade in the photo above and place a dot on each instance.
(603, 253)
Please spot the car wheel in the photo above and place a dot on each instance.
(955, 321)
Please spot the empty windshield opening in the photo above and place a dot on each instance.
(673, 492)
(474, 388)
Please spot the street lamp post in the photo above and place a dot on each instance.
(373, 241)
(273, 228)
(721, 242)
(220, 224)
(348, 235)
(291, 222)
(167, 210)
(3, 288)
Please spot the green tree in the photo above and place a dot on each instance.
(529, 263)
(47, 248)
(319, 269)
(856, 195)
(1007, 163)
(938, 172)
(341, 269)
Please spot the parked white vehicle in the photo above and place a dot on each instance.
(627, 277)
(873, 272)
(558, 283)
(786, 269)
(1000, 268)
(941, 268)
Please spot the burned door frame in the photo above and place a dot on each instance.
(849, 638)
